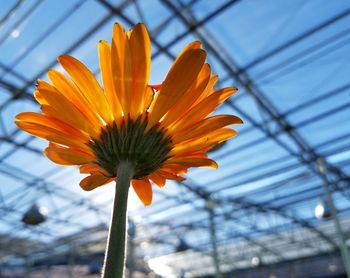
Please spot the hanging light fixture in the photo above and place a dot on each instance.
(182, 246)
(255, 261)
(323, 210)
(35, 215)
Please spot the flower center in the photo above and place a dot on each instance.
(146, 150)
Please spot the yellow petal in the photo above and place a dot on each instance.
(94, 180)
(179, 79)
(140, 47)
(202, 109)
(193, 162)
(104, 51)
(204, 142)
(186, 101)
(75, 96)
(68, 156)
(143, 189)
(206, 126)
(118, 69)
(88, 84)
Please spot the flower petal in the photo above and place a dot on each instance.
(157, 179)
(143, 189)
(169, 176)
(140, 47)
(193, 162)
(60, 107)
(191, 45)
(39, 98)
(68, 156)
(49, 121)
(104, 51)
(202, 143)
(50, 134)
(91, 168)
(175, 169)
(186, 101)
(179, 79)
(88, 84)
(201, 110)
(119, 43)
(208, 90)
(96, 179)
(75, 96)
(206, 126)
(148, 97)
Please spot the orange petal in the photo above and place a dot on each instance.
(186, 101)
(118, 57)
(49, 121)
(202, 109)
(157, 179)
(148, 97)
(104, 51)
(50, 134)
(175, 169)
(128, 80)
(179, 79)
(91, 168)
(68, 156)
(43, 85)
(202, 143)
(39, 98)
(75, 96)
(193, 162)
(88, 84)
(143, 189)
(208, 90)
(169, 176)
(140, 47)
(94, 180)
(61, 108)
(191, 45)
(206, 126)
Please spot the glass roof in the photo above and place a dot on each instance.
(290, 62)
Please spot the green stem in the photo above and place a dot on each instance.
(115, 250)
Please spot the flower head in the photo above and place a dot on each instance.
(161, 130)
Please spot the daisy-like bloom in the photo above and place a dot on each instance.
(160, 130)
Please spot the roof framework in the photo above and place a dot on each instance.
(292, 73)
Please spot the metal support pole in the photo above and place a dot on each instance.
(334, 214)
(131, 248)
(71, 261)
(213, 238)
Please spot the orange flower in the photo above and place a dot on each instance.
(161, 130)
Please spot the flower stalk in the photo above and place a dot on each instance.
(115, 250)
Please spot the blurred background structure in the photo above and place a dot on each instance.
(279, 204)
